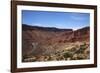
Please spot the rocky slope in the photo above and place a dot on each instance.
(40, 41)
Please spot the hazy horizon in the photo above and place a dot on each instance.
(54, 27)
(61, 20)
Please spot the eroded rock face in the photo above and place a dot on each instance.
(43, 40)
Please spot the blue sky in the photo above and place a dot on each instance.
(63, 20)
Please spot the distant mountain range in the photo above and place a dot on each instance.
(27, 27)
(51, 35)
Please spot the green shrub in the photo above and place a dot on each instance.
(73, 49)
(67, 54)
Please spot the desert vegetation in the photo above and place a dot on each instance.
(72, 51)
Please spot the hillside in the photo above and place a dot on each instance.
(40, 43)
